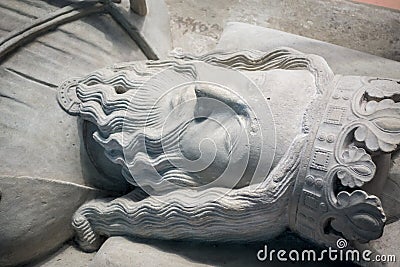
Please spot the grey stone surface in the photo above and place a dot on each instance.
(124, 252)
(342, 60)
(197, 25)
(153, 29)
(35, 216)
(119, 251)
(389, 243)
(45, 173)
(67, 255)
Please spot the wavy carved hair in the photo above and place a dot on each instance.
(255, 212)
(128, 119)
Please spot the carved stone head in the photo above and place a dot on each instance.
(196, 122)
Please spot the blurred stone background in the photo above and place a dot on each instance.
(197, 25)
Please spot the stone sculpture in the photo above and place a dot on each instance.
(308, 150)
(229, 146)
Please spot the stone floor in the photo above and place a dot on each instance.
(123, 253)
(197, 25)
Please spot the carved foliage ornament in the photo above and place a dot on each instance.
(362, 120)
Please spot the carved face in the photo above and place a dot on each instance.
(215, 138)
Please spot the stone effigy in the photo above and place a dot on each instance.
(228, 146)
(330, 168)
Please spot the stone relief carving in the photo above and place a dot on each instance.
(228, 146)
(357, 132)
(318, 187)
